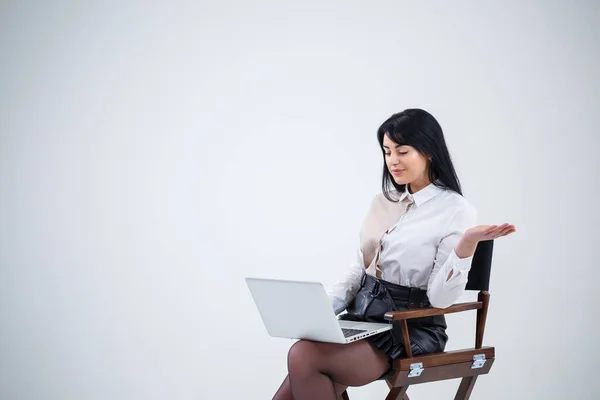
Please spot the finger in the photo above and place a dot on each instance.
(502, 227)
(497, 234)
(490, 229)
(508, 232)
(510, 228)
(505, 232)
(493, 232)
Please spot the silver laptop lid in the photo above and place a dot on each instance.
(295, 309)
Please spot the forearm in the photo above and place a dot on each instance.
(464, 249)
(345, 289)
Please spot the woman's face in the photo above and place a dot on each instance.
(406, 164)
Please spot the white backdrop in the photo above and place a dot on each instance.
(153, 154)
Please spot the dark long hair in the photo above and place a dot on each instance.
(419, 129)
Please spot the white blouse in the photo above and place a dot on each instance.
(417, 250)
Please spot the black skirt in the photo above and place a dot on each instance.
(376, 297)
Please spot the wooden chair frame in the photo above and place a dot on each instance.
(467, 364)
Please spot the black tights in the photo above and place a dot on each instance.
(322, 371)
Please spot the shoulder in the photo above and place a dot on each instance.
(382, 203)
(460, 206)
(380, 198)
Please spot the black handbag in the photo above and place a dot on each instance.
(374, 299)
(371, 302)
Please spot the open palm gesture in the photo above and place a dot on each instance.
(488, 232)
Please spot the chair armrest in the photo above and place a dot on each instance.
(428, 312)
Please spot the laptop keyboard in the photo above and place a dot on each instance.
(351, 332)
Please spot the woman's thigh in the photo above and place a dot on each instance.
(352, 364)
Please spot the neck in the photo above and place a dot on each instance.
(418, 184)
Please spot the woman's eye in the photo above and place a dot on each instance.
(403, 152)
(388, 154)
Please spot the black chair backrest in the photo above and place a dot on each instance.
(481, 267)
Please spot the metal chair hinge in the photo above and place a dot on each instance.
(478, 361)
(415, 369)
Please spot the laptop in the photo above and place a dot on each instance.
(302, 310)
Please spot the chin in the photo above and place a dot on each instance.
(400, 181)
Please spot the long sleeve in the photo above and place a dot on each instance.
(443, 292)
(343, 291)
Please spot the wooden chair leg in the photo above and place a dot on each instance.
(484, 298)
(465, 388)
(345, 395)
(397, 393)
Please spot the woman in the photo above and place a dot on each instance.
(416, 244)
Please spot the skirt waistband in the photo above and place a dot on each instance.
(402, 295)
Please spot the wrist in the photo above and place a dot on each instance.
(466, 247)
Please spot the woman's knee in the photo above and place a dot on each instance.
(303, 355)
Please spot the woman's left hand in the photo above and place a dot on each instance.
(488, 232)
(468, 242)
